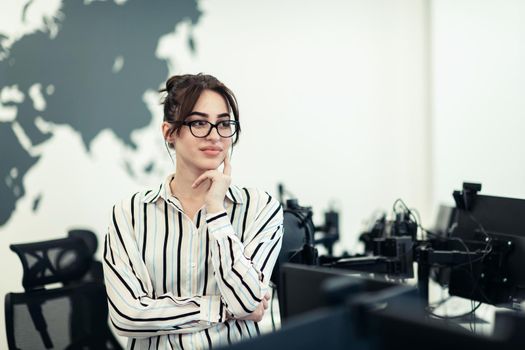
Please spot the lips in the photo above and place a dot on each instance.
(211, 150)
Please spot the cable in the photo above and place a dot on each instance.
(471, 272)
(440, 302)
(295, 254)
(487, 250)
(169, 153)
(304, 222)
(414, 215)
(416, 219)
(446, 317)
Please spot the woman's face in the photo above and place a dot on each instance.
(201, 154)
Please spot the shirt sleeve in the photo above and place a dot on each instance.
(134, 308)
(243, 269)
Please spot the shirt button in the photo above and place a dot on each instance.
(193, 265)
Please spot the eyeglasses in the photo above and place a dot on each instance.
(202, 128)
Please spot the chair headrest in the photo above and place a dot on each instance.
(59, 260)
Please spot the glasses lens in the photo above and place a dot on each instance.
(227, 128)
(200, 128)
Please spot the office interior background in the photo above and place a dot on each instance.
(350, 104)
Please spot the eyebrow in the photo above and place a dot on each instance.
(205, 115)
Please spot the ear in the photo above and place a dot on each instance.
(167, 133)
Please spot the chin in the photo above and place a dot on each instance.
(209, 165)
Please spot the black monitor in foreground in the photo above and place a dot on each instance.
(495, 225)
(303, 288)
(388, 318)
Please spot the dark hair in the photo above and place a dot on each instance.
(183, 93)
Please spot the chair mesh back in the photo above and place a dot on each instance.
(72, 317)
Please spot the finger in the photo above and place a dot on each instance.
(265, 304)
(267, 296)
(227, 164)
(206, 175)
(261, 308)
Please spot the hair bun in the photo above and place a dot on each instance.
(171, 83)
(177, 82)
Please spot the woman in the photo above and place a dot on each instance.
(187, 265)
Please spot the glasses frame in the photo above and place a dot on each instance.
(216, 126)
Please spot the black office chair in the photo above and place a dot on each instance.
(73, 315)
(298, 239)
(297, 244)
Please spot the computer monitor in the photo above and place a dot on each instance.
(495, 225)
(303, 288)
(359, 327)
(385, 319)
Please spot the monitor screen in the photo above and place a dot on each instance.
(302, 287)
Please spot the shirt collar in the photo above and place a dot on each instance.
(233, 194)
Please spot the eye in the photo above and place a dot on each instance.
(199, 123)
(226, 124)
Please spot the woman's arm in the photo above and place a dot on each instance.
(134, 309)
(243, 269)
(242, 266)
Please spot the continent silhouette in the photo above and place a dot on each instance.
(93, 74)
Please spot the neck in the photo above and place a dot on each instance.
(181, 185)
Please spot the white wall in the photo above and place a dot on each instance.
(478, 98)
(332, 96)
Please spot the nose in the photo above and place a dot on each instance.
(214, 134)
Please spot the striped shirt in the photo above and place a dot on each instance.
(175, 282)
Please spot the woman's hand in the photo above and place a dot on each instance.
(258, 314)
(219, 184)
